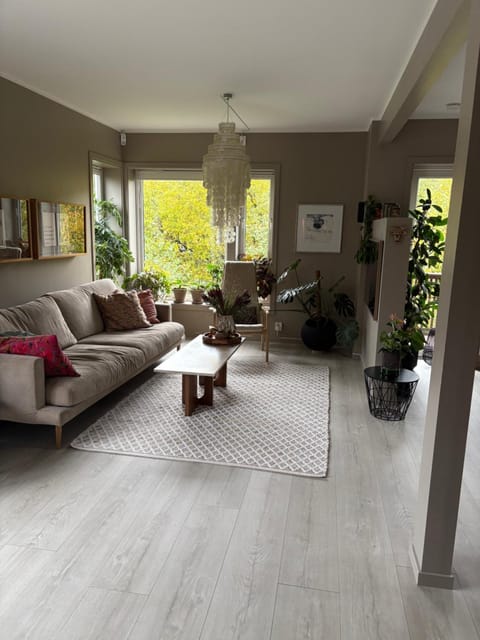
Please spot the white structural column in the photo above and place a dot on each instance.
(456, 346)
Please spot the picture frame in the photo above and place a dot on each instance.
(319, 228)
(60, 229)
(15, 230)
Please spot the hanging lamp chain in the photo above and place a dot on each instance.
(226, 98)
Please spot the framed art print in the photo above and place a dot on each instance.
(61, 230)
(319, 228)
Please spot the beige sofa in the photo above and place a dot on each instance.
(104, 360)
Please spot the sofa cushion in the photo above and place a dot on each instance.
(121, 310)
(100, 369)
(41, 316)
(56, 363)
(148, 305)
(79, 308)
(153, 341)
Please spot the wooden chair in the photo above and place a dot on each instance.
(239, 276)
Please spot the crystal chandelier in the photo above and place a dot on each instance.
(226, 176)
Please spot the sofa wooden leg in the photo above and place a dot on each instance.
(58, 436)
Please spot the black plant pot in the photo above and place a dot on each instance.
(410, 361)
(319, 335)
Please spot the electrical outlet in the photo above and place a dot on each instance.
(278, 327)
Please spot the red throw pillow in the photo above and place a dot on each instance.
(148, 305)
(55, 361)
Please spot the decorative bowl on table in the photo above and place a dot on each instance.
(218, 338)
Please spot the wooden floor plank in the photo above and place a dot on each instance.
(50, 597)
(178, 604)
(69, 502)
(243, 602)
(310, 552)
(106, 615)
(370, 603)
(435, 613)
(224, 487)
(135, 562)
(305, 614)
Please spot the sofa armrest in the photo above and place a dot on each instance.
(22, 383)
(164, 311)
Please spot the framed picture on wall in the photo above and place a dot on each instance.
(15, 229)
(319, 228)
(60, 229)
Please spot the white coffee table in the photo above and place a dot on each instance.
(199, 363)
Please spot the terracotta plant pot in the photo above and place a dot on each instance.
(197, 295)
(179, 294)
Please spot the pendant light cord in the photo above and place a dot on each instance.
(226, 98)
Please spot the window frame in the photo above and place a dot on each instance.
(233, 249)
(427, 170)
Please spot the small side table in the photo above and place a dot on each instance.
(389, 397)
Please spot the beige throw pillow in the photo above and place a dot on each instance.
(121, 311)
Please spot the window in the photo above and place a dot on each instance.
(97, 183)
(437, 178)
(176, 234)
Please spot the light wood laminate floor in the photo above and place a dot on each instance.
(116, 548)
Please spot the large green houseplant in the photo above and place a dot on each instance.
(111, 248)
(426, 255)
(331, 314)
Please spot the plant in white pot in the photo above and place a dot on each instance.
(225, 307)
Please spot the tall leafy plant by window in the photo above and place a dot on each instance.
(426, 255)
(111, 248)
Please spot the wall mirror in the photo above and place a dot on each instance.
(15, 230)
(60, 230)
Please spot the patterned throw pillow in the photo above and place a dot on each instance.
(148, 305)
(122, 311)
(55, 361)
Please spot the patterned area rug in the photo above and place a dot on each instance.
(270, 417)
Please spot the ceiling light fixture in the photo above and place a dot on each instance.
(226, 176)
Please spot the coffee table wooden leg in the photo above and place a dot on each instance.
(207, 397)
(221, 377)
(189, 393)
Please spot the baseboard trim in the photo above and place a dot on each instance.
(426, 579)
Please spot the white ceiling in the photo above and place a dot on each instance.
(152, 65)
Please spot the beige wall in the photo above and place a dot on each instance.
(44, 155)
(390, 166)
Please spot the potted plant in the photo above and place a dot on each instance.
(179, 291)
(331, 314)
(426, 256)
(265, 277)
(215, 271)
(428, 244)
(155, 280)
(196, 291)
(111, 248)
(398, 342)
(225, 307)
